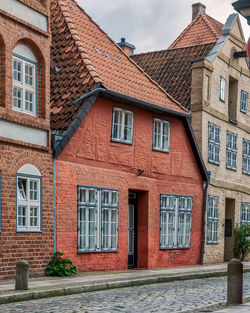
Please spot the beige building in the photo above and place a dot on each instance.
(206, 70)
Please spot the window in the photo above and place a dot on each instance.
(24, 80)
(212, 220)
(122, 128)
(243, 101)
(161, 135)
(246, 157)
(97, 219)
(245, 212)
(231, 150)
(222, 89)
(213, 143)
(28, 203)
(176, 216)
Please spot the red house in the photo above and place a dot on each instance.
(129, 175)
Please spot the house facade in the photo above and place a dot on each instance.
(210, 76)
(130, 180)
(26, 160)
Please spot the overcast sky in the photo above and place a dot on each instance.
(152, 24)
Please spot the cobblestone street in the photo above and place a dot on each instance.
(171, 297)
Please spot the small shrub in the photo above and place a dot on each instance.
(241, 244)
(60, 267)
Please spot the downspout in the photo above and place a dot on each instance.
(91, 93)
(204, 219)
(54, 204)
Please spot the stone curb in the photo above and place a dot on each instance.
(40, 294)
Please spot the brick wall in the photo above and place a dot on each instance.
(36, 248)
(91, 159)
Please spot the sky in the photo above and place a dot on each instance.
(152, 25)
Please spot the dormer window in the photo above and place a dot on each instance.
(24, 80)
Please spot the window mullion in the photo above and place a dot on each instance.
(122, 124)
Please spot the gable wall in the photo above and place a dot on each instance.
(91, 159)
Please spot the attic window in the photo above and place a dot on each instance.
(106, 54)
(96, 50)
(116, 59)
(70, 5)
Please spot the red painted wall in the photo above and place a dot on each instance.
(90, 158)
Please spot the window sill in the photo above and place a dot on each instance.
(29, 231)
(231, 168)
(248, 174)
(130, 143)
(213, 243)
(160, 150)
(244, 112)
(214, 163)
(99, 251)
(175, 248)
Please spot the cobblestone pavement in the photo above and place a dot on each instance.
(182, 296)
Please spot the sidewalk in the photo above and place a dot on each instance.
(243, 308)
(44, 287)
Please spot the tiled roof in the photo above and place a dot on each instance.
(85, 56)
(203, 30)
(171, 68)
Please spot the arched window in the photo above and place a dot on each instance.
(29, 199)
(24, 80)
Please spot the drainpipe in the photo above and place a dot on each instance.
(54, 205)
(89, 94)
(204, 218)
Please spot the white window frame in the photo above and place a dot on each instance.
(28, 203)
(23, 86)
(243, 101)
(212, 219)
(246, 157)
(222, 89)
(105, 201)
(231, 153)
(158, 135)
(121, 127)
(174, 209)
(213, 143)
(245, 213)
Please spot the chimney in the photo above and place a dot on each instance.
(128, 48)
(198, 8)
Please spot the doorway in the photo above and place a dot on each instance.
(229, 229)
(132, 229)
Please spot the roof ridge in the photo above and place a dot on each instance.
(78, 42)
(128, 57)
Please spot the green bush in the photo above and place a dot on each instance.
(241, 244)
(60, 266)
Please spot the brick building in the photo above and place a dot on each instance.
(129, 176)
(26, 161)
(206, 70)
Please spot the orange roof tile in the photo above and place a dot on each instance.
(79, 50)
(203, 30)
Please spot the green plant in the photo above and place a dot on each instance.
(60, 267)
(241, 244)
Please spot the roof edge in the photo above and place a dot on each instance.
(83, 53)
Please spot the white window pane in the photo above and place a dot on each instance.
(22, 189)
